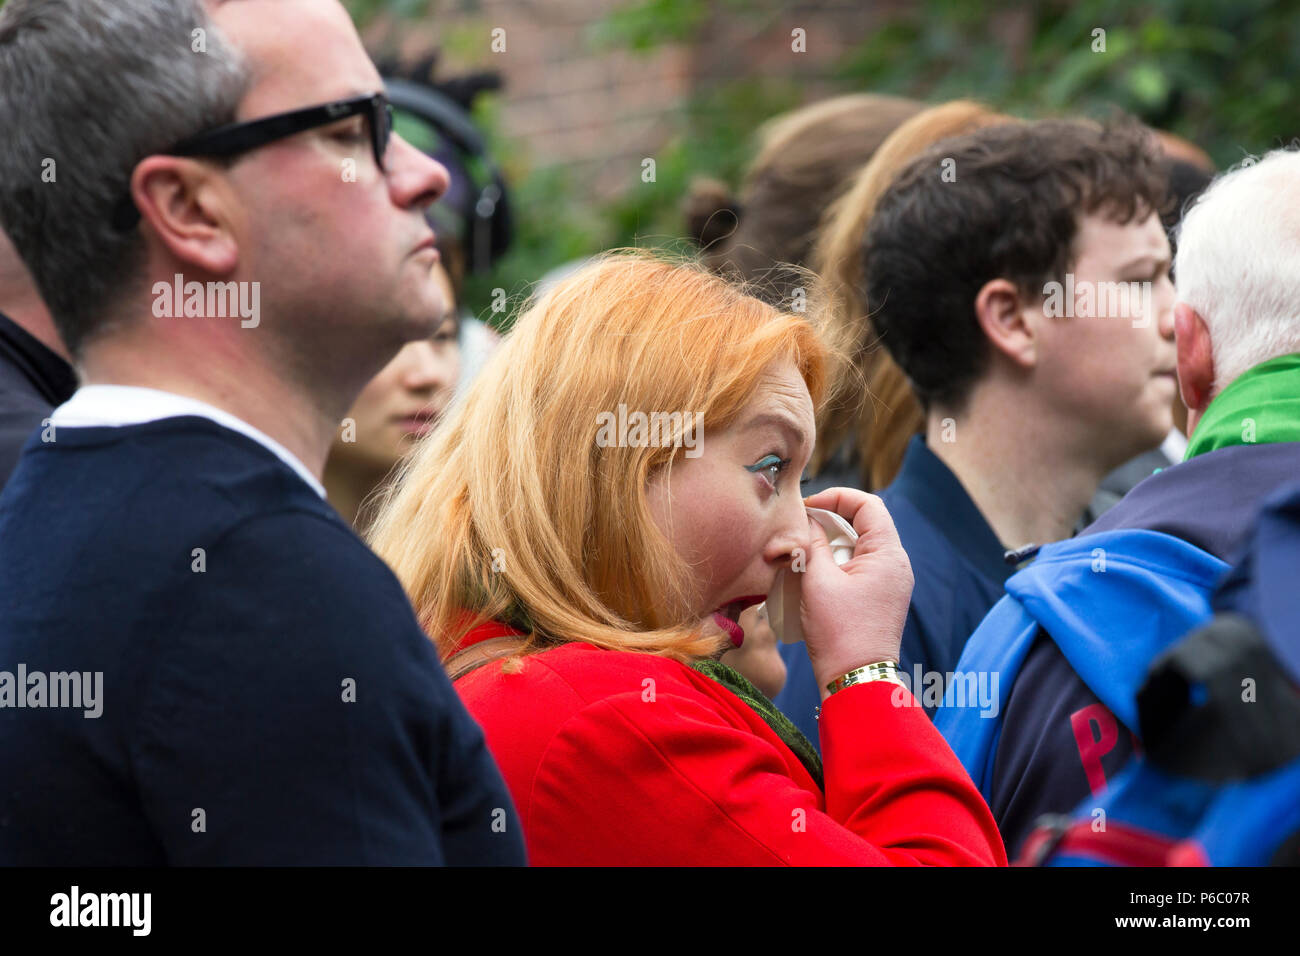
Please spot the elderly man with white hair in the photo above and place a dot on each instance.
(1071, 641)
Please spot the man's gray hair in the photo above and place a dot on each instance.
(1238, 263)
(88, 88)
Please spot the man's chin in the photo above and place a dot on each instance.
(423, 306)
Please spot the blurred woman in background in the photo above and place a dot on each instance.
(581, 581)
(861, 436)
(806, 158)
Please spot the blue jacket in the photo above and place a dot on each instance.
(1070, 644)
(1220, 783)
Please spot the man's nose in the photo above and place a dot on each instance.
(415, 179)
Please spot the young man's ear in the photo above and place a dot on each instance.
(185, 202)
(999, 309)
(1195, 361)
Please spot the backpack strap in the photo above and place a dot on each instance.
(1118, 845)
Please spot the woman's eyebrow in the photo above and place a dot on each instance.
(778, 420)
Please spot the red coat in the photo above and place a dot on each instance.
(619, 758)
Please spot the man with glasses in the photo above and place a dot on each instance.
(199, 662)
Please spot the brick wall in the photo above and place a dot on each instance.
(599, 110)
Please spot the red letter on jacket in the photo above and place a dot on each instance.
(1092, 749)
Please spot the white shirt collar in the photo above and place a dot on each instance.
(1174, 446)
(117, 405)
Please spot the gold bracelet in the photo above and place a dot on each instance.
(881, 670)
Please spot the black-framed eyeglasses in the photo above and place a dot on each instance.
(236, 138)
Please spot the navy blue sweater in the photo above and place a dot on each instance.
(267, 694)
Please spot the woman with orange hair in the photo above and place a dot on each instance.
(579, 536)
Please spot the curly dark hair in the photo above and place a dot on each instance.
(1002, 202)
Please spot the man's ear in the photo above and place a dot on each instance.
(1195, 358)
(1000, 311)
(186, 203)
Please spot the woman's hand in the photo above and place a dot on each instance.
(853, 614)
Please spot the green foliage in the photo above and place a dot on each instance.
(645, 24)
(1215, 71)
(363, 11)
(557, 223)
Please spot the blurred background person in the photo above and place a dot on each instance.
(36, 374)
(805, 159)
(872, 414)
(581, 589)
(397, 407)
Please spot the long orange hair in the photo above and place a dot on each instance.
(512, 510)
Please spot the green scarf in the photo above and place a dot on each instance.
(735, 682)
(1262, 406)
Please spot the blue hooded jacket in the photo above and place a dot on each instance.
(1221, 783)
(1110, 601)
(1071, 641)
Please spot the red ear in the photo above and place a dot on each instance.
(1195, 357)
